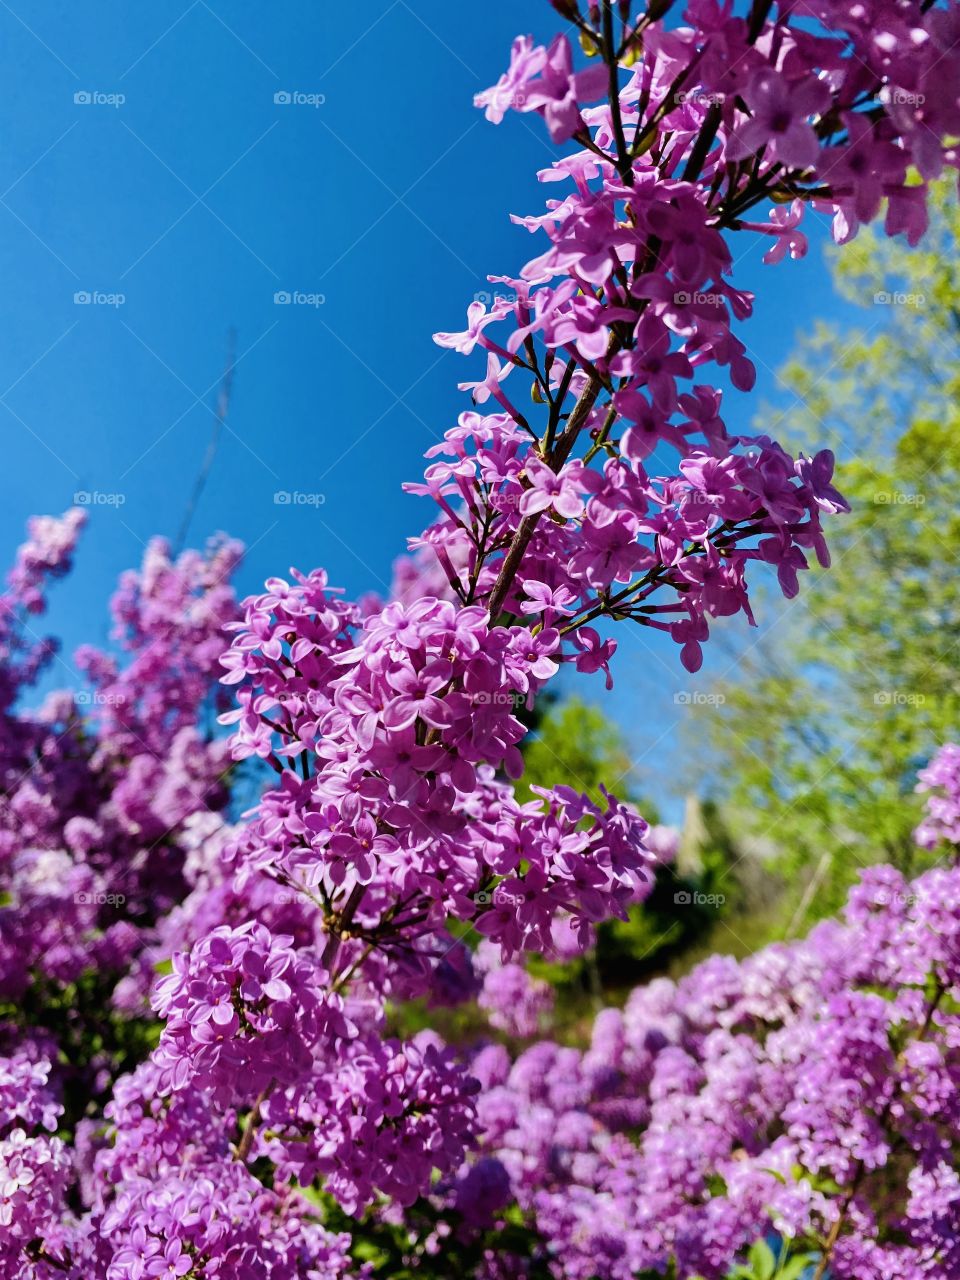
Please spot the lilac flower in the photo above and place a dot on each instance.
(816, 473)
(549, 489)
(779, 119)
(543, 80)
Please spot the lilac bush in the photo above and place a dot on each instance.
(204, 1010)
(941, 780)
(811, 1091)
(105, 788)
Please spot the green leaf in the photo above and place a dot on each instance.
(762, 1260)
(795, 1266)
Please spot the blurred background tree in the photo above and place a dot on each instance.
(815, 741)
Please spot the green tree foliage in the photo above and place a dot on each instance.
(857, 682)
(575, 744)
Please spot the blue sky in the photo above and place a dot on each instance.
(145, 156)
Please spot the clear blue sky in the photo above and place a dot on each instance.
(198, 198)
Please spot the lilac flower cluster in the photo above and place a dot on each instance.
(35, 1166)
(242, 1006)
(514, 1001)
(46, 555)
(102, 784)
(166, 1196)
(810, 1091)
(941, 778)
(407, 726)
(614, 323)
(380, 1119)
